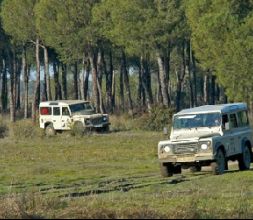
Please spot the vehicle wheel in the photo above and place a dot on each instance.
(196, 168)
(177, 169)
(78, 129)
(50, 131)
(107, 129)
(245, 159)
(219, 166)
(167, 169)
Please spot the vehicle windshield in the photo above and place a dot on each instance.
(81, 107)
(197, 121)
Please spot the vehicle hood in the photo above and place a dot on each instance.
(88, 116)
(194, 134)
(89, 112)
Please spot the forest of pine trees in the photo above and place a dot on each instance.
(125, 55)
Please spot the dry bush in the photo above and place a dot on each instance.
(25, 129)
(3, 129)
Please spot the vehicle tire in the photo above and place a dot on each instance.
(78, 129)
(177, 169)
(219, 166)
(245, 159)
(50, 131)
(167, 169)
(195, 169)
(106, 129)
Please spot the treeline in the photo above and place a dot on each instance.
(125, 55)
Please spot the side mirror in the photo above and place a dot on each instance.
(227, 126)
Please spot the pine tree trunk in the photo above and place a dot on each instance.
(121, 90)
(47, 76)
(4, 93)
(163, 78)
(127, 84)
(26, 90)
(194, 80)
(180, 77)
(159, 97)
(113, 90)
(109, 79)
(179, 92)
(79, 88)
(76, 81)
(36, 98)
(93, 63)
(192, 101)
(100, 78)
(206, 89)
(18, 92)
(82, 78)
(140, 87)
(64, 82)
(44, 86)
(86, 81)
(213, 90)
(12, 91)
(146, 83)
(58, 94)
(217, 93)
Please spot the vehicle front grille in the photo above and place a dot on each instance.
(189, 148)
(97, 121)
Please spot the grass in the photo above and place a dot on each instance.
(111, 176)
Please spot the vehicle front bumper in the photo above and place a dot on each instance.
(103, 125)
(186, 158)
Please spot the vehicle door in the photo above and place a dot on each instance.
(65, 118)
(234, 135)
(57, 118)
(228, 139)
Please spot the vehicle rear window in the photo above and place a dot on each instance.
(45, 111)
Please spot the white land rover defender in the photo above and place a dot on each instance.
(67, 115)
(207, 135)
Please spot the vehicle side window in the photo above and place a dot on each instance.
(243, 119)
(65, 111)
(233, 121)
(57, 111)
(45, 111)
(224, 121)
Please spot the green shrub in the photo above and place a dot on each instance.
(26, 129)
(157, 119)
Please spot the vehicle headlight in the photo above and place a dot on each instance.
(167, 149)
(205, 145)
(87, 121)
(105, 119)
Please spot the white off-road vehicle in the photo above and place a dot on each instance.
(71, 115)
(207, 135)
